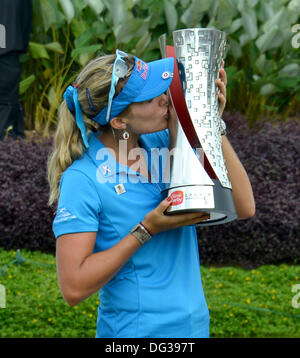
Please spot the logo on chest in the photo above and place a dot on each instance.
(120, 189)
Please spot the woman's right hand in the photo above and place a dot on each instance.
(156, 221)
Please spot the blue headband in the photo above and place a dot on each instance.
(71, 97)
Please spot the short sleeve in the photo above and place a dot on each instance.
(79, 206)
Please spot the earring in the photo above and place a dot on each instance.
(125, 135)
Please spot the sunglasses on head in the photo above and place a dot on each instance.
(120, 69)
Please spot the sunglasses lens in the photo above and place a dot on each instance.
(121, 69)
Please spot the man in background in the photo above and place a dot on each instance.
(16, 18)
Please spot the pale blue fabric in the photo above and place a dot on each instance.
(158, 293)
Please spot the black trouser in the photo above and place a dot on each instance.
(11, 113)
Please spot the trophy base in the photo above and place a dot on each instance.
(214, 200)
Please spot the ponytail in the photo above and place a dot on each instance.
(68, 146)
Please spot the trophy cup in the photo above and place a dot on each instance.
(197, 179)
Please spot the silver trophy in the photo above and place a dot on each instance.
(197, 177)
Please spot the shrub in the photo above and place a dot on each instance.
(25, 218)
(271, 155)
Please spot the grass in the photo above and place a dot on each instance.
(242, 303)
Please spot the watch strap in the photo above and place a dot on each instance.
(223, 127)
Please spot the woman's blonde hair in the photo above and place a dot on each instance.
(68, 143)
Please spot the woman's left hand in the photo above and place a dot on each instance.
(221, 83)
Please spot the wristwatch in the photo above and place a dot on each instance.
(141, 233)
(223, 127)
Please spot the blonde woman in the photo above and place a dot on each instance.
(112, 234)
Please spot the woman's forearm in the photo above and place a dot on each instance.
(241, 186)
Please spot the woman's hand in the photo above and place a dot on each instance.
(221, 83)
(156, 221)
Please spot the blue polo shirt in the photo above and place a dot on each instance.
(158, 293)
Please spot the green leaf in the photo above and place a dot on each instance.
(100, 30)
(260, 63)
(233, 74)
(249, 22)
(84, 58)
(96, 5)
(26, 83)
(236, 24)
(244, 39)
(38, 50)
(118, 12)
(275, 20)
(155, 19)
(171, 15)
(184, 3)
(287, 83)
(294, 5)
(78, 27)
(52, 97)
(240, 5)
(85, 50)
(55, 46)
(142, 44)
(84, 38)
(68, 9)
(48, 13)
(79, 5)
(129, 29)
(224, 14)
(266, 11)
(290, 70)
(271, 39)
(268, 89)
(195, 12)
(270, 67)
(235, 48)
(252, 3)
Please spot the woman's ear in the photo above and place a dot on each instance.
(118, 123)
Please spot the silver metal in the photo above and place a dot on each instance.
(199, 53)
(141, 234)
(223, 127)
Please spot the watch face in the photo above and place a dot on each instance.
(140, 234)
(223, 127)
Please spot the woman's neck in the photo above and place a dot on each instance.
(119, 144)
(121, 150)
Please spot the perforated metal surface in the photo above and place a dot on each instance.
(199, 54)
